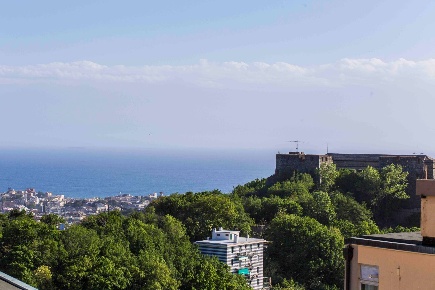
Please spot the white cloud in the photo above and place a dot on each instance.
(230, 74)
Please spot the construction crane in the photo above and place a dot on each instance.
(297, 144)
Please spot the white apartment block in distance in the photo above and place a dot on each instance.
(244, 255)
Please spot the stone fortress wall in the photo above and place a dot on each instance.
(287, 164)
(418, 166)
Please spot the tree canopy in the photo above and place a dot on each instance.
(109, 251)
(305, 223)
(306, 251)
(202, 212)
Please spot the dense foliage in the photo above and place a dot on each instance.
(306, 251)
(109, 251)
(202, 212)
(307, 221)
(304, 221)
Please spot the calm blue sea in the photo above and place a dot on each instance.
(84, 173)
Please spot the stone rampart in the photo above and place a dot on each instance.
(417, 166)
(355, 161)
(287, 164)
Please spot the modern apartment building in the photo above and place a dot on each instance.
(396, 260)
(244, 255)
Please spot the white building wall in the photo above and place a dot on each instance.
(237, 256)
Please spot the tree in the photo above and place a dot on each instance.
(201, 212)
(82, 246)
(211, 274)
(16, 213)
(17, 247)
(106, 223)
(287, 188)
(263, 210)
(52, 220)
(318, 205)
(304, 250)
(156, 274)
(347, 181)
(392, 191)
(353, 218)
(381, 190)
(328, 174)
(289, 285)
(255, 187)
(43, 278)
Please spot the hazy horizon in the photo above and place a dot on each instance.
(353, 77)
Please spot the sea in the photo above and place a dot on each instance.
(87, 173)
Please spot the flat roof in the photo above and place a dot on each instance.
(227, 231)
(410, 242)
(14, 283)
(241, 241)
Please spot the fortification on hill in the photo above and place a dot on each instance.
(418, 167)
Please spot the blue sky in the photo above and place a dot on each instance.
(358, 76)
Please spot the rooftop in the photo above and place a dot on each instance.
(411, 242)
(240, 241)
(10, 283)
(228, 237)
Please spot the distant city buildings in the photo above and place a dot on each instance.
(73, 210)
(244, 255)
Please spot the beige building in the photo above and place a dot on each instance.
(397, 260)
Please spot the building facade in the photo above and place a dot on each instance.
(243, 255)
(396, 260)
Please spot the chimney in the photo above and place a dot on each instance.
(426, 189)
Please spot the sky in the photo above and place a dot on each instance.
(342, 76)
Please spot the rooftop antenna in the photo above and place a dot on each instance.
(297, 144)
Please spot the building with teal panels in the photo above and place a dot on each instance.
(244, 255)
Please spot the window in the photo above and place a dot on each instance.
(369, 277)
(368, 287)
(232, 250)
(258, 269)
(218, 235)
(226, 235)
